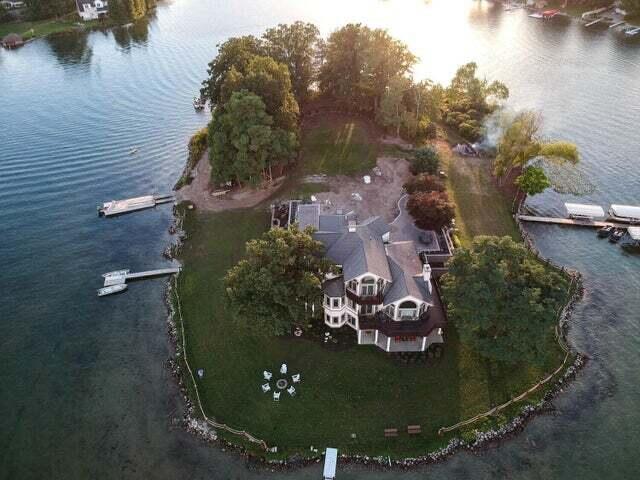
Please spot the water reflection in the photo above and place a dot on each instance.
(71, 48)
(134, 34)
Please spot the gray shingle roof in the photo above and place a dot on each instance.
(308, 215)
(376, 225)
(332, 223)
(406, 270)
(334, 287)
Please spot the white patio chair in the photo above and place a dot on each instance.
(266, 387)
(283, 369)
(267, 375)
(296, 378)
(276, 396)
(291, 390)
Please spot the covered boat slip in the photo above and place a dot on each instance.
(634, 234)
(625, 213)
(584, 211)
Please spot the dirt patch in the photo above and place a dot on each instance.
(380, 197)
(199, 192)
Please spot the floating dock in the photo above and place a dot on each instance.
(121, 276)
(119, 207)
(571, 221)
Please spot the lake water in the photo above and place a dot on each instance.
(84, 392)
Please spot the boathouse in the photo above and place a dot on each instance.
(625, 213)
(13, 40)
(582, 211)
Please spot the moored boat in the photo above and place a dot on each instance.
(616, 235)
(605, 231)
(112, 289)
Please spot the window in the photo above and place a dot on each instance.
(366, 309)
(343, 317)
(408, 310)
(336, 303)
(327, 318)
(335, 320)
(327, 301)
(368, 287)
(352, 321)
(391, 311)
(352, 304)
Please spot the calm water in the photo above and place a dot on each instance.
(84, 393)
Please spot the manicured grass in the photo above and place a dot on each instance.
(42, 28)
(338, 146)
(481, 209)
(358, 390)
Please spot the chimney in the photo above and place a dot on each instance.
(352, 226)
(426, 275)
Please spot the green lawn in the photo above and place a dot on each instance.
(481, 209)
(359, 390)
(42, 28)
(338, 146)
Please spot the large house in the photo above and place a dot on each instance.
(92, 9)
(383, 291)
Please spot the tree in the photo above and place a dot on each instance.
(392, 109)
(504, 302)
(521, 143)
(271, 82)
(468, 99)
(124, 10)
(236, 52)
(424, 183)
(359, 63)
(41, 9)
(243, 145)
(431, 210)
(295, 46)
(425, 160)
(273, 287)
(533, 181)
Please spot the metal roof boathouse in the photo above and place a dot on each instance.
(625, 213)
(584, 211)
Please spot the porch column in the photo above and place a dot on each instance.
(388, 344)
(376, 338)
(424, 343)
(359, 337)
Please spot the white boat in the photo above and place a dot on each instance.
(632, 31)
(116, 273)
(112, 289)
(133, 150)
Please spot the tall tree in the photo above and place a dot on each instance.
(632, 7)
(359, 63)
(243, 144)
(522, 142)
(273, 287)
(296, 46)
(40, 9)
(236, 52)
(504, 301)
(271, 82)
(391, 113)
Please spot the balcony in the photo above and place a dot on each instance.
(365, 299)
(422, 327)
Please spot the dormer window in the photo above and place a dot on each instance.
(408, 310)
(368, 287)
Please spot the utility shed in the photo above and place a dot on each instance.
(625, 212)
(330, 463)
(581, 210)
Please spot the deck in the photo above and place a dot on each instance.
(119, 207)
(120, 278)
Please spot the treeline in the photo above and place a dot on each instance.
(41, 9)
(123, 10)
(264, 82)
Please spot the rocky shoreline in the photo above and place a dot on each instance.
(481, 441)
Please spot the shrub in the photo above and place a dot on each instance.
(424, 183)
(431, 210)
(425, 160)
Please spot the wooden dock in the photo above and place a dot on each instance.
(120, 207)
(571, 221)
(120, 277)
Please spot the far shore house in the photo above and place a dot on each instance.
(11, 4)
(92, 9)
(384, 292)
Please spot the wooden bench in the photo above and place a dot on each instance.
(390, 432)
(414, 429)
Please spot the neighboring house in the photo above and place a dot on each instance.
(10, 4)
(92, 9)
(383, 291)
